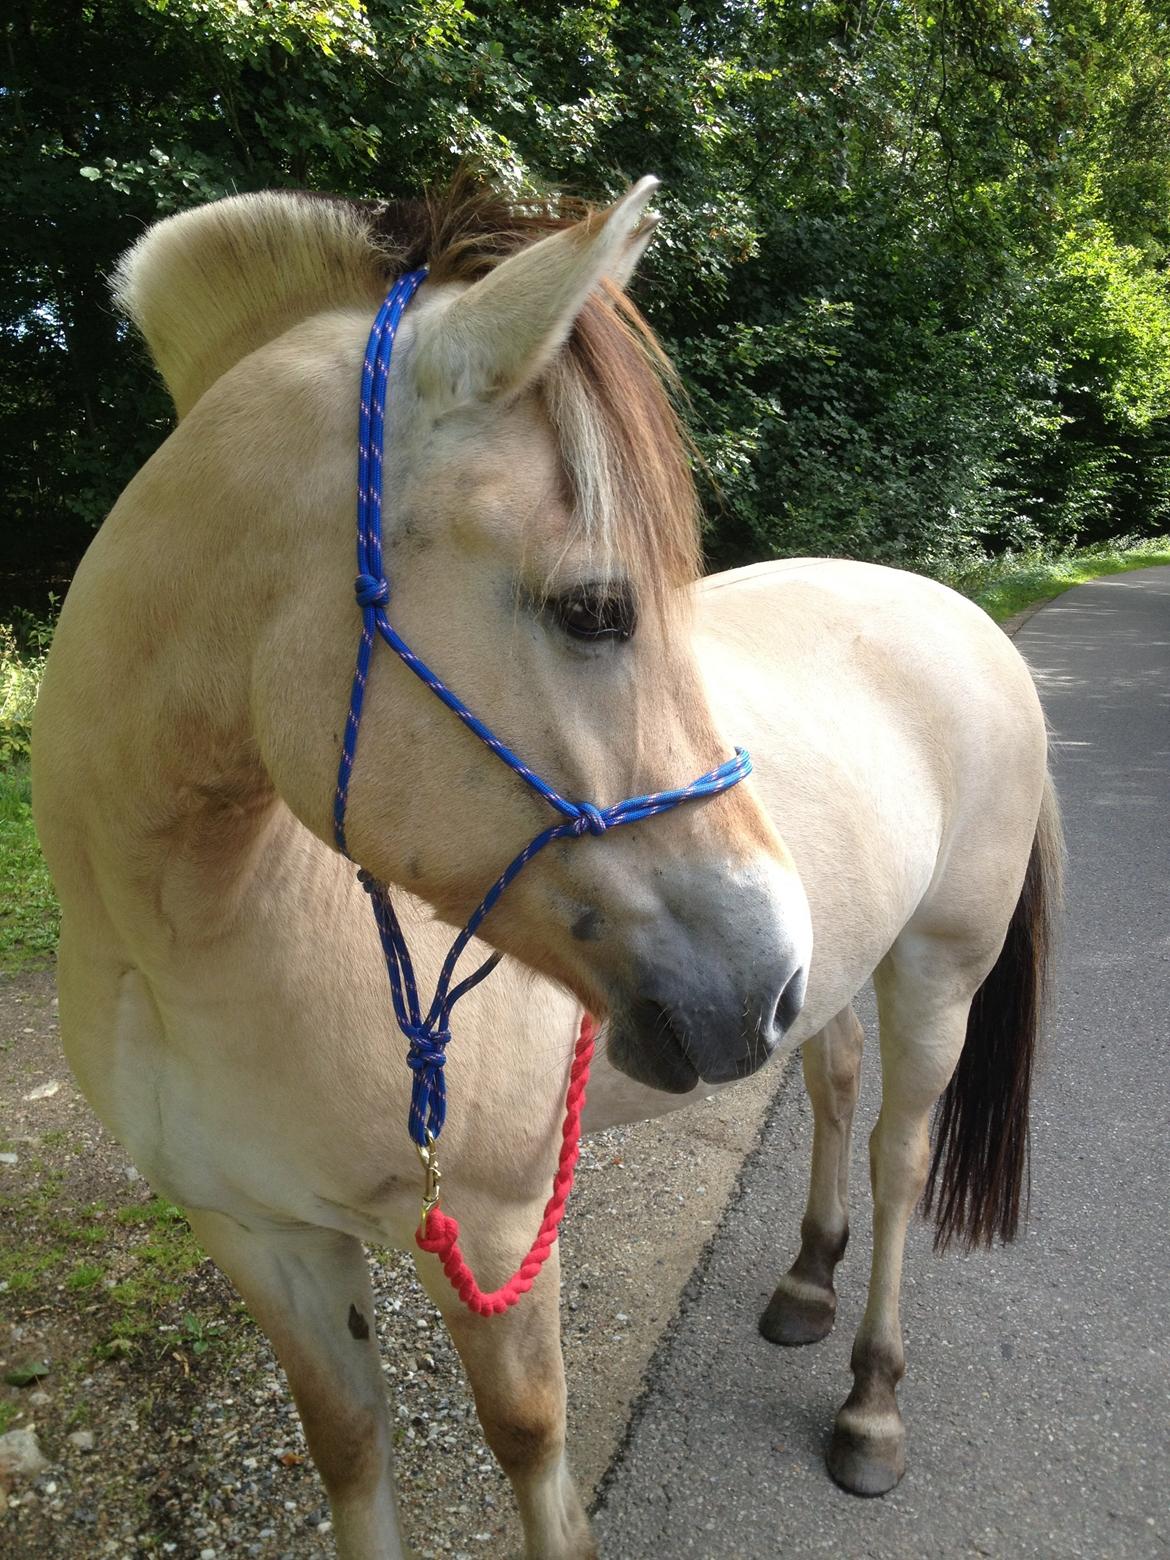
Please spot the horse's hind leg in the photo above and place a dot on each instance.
(923, 1022)
(309, 1289)
(514, 1364)
(804, 1306)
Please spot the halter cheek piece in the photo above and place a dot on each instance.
(428, 1035)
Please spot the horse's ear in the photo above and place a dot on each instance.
(498, 335)
(621, 271)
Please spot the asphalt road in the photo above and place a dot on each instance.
(1037, 1396)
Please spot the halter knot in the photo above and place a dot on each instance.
(371, 591)
(589, 819)
(427, 1047)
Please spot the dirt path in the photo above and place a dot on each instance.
(166, 1422)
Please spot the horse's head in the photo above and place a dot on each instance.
(541, 545)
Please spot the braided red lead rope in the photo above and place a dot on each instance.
(441, 1233)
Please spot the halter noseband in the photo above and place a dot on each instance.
(429, 1034)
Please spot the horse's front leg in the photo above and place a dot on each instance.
(517, 1374)
(309, 1289)
(923, 1024)
(804, 1306)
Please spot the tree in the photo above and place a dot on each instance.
(912, 268)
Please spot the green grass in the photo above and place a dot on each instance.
(1007, 585)
(86, 1275)
(54, 1252)
(29, 917)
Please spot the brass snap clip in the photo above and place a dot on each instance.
(428, 1154)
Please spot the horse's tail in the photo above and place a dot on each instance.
(978, 1181)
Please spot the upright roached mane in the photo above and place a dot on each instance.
(216, 285)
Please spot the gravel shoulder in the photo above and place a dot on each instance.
(165, 1420)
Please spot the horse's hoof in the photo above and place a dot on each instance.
(802, 1313)
(867, 1464)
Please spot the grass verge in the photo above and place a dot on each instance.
(131, 1266)
(1007, 585)
(29, 917)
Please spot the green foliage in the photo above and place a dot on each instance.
(198, 1335)
(1008, 584)
(27, 1375)
(23, 648)
(29, 916)
(86, 1275)
(1112, 315)
(913, 265)
(157, 1214)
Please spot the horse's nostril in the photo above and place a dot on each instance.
(789, 1002)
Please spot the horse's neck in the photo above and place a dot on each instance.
(149, 783)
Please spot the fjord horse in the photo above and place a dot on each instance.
(222, 992)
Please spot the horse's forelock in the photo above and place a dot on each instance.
(609, 393)
(623, 445)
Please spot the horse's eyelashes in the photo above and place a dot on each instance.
(596, 612)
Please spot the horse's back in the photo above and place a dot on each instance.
(910, 651)
(823, 597)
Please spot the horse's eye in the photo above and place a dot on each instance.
(596, 612)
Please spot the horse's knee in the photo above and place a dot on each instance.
(527, 1431)
(844, 1061)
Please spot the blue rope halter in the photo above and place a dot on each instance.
(428, 1035)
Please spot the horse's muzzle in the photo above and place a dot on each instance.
(675, 1045)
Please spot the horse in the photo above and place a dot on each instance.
(223, 995)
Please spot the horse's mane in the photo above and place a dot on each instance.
(210, 286)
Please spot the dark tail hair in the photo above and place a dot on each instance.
(978, 1184)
